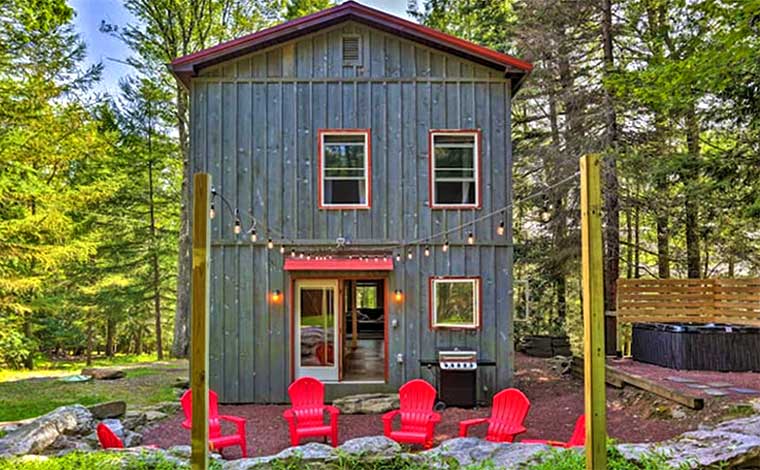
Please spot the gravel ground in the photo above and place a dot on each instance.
(556, 400)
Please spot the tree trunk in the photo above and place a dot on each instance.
(629, 244)
(89, 342)
(663, 241)
(637, 251)
(154, 243)
(110, 326)
(182, 314)
(691, 207)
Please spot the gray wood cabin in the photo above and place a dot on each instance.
(353, 136)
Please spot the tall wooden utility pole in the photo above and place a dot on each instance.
(592, 250)
(199, 320)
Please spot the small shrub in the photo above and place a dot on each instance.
(99, 461)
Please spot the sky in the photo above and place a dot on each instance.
(110, 51)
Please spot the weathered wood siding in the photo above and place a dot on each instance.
(254, 128)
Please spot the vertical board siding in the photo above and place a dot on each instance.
(254, 128)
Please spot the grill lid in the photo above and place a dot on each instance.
(457, 360)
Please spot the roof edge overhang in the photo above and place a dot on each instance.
(187, 67)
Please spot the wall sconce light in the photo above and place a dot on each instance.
(398, 295)
(276, 296)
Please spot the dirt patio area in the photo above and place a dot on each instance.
(633, 416)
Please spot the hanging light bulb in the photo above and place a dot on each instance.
(409, 254)
(238, 224)
(470, 239)
(301, 256)
(427, 250)
(282, 249)
(398, 257)
(270, 244)
(445, 247)
(292, 253)
(254, 236)
(500, 228)
(212, 211)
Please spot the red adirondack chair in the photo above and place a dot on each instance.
(306, 417)
(578, 439)
(418, 419)
(510, 407)
(107, 438)
(216, 441)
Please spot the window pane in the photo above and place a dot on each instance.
(448, 192)
(344, 156)
(455, 303)
(366, 296)
(345, 192)
(317, 327)
(455, 169)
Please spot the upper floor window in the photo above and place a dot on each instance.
(455, 169)
(344, 169)
(455, 302)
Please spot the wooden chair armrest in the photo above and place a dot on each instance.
(465, 425)
(237, 420)
(435, 417)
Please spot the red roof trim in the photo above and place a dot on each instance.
(187, 65)
(339, 264)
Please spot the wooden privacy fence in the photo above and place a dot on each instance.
(731, 301)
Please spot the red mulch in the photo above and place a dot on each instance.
(556, 403)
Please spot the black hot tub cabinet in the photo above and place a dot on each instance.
(722, 348)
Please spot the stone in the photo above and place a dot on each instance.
(131, 439)
(368, 403)
(36, 436)
(182, 383)
(376, 446)
(678, 413)
(680, 380)
(719, 384)
(729, 445)
(153, 416)
(744, 391)
(697, 386)
(111, 409)
(470, 450)
(168, 407)
(182, 452)
(104, 374)
(308, 452)
(134, 419)
(714, 392)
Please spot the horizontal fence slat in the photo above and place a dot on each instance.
(735, 301)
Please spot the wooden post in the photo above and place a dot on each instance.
(592, 251)
(199, 320)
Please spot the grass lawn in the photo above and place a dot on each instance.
(26, 394)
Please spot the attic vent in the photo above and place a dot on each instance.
(352, 50)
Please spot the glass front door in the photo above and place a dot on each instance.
(316, 329)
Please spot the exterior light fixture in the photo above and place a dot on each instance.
(276, 296)
(398, 295)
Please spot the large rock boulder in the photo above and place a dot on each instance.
(470, 450)
(375, 446)
(35, 437)
(111, 409)
(368, 403)
(731, 445)
(104, 374)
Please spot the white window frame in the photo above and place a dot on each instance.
(476, 135)
(476, 305)
(367, 168)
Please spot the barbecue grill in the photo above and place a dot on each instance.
(457, 378)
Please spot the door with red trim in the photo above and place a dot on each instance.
(316, 327)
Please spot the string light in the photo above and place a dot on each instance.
(398, 257)
(254, 237)
(470, 239)
(282, 249)
(445, 246)
(500, 228)
(292, 253)
(212, 212)
(427, 250)
(238, 224)
(270, 244)
(409, 254)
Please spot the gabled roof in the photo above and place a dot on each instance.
(188, 66)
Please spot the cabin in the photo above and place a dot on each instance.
(362, 170)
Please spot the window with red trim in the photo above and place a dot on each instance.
(344, 169)
(455, 169)
(455, 303)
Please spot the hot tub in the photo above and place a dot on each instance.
(682, 346)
